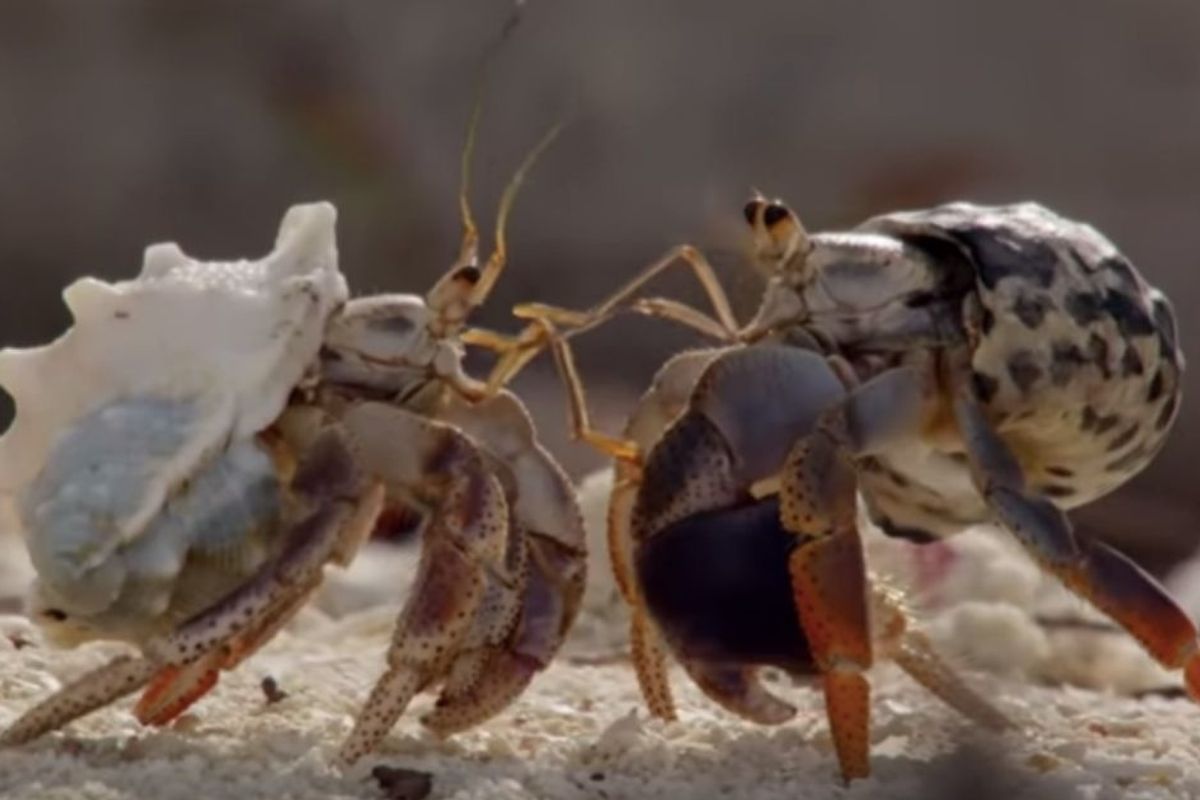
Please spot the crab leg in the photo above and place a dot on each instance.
(646, 647)
(547, 547)
(666, 398)
(719, 585)
(517, 352)
(464, 589)
(1093, 570)
(912, 651)
(119, 677)
(829, 580)
(747, 409)
(506, 667)
(175, 688)
(231, 630)
(182, 666)
(580, 321)
(648, 654)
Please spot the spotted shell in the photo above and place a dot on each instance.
(155, 376)
(1075, 355)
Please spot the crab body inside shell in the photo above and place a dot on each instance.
(1073, 356)
(207, 438)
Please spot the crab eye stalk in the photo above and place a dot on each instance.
(774, 214)
(752, 210)
(374, 334)
(466, 285)
(778, 238)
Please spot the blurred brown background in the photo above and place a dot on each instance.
(124, 123)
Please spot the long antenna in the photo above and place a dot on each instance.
(470, 241)
(496, 261)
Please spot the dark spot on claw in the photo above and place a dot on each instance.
(1057, 490)
(271, 690)
(1060, 472)
(399, 783)
(54, 615)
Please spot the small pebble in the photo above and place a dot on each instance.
(399, 783)
(272, 691)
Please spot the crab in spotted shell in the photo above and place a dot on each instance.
(188, 458)
(952, 366)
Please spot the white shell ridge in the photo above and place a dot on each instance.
(228, 339)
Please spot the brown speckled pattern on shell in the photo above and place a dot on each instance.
(1075, 358)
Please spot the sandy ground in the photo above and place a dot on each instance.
(581, 731)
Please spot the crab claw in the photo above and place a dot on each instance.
(174, 689)
(1093, 570)
(119, 677)
(180, 667)
(765, 412)
(547, 608)
(719, 587)
(500, 579)
(465, 588)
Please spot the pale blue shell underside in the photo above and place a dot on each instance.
(96, 474)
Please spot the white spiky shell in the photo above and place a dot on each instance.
(232, 338)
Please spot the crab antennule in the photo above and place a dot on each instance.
(499, 257)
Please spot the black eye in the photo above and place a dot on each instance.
(469, 274)
(774, 214)
(55, 615)
(751, 211)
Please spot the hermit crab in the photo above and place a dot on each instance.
(958, 365)
(187, 458)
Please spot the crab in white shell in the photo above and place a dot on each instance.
(953, 366)
(207, 437)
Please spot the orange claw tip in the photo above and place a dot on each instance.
(1191, 676)
(848, 704)
(172, 692)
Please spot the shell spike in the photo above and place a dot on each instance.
(161, 258)
(227, 339)
(306, 238)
